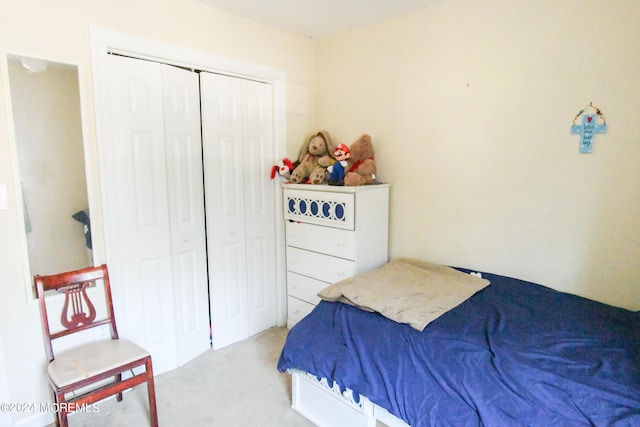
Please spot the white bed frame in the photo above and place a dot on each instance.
(328, 406)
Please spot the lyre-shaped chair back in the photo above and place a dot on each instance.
(79, 299)
(78, 311)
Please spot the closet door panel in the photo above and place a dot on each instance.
(259, 202)
(261, 294)
(238, 153)
(233, 294)
(137, 222)
(229, 156)
(224, 187)
(146, 163)
(181, 96)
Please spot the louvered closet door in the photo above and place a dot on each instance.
(154, 210)
(238, 145)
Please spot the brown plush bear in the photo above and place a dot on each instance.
(361, 169)
(314, 159)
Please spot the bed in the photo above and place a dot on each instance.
(510, 353)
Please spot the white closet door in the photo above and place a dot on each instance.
(238, 146)
(186, 210)
(138, 238)
(154, 207)
(224, 164)
(257, 126)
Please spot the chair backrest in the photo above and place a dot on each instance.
(78, 312)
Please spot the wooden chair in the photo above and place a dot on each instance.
(73, 370)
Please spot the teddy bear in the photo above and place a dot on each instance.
(361, 168)
(314, 158)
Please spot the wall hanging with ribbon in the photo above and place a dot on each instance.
(589, 127)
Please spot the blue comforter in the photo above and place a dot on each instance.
(514, 354)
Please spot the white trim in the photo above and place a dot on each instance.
(15, 173)
(5, 417)
(29, 292)
(104, 41)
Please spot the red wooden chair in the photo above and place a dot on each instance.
(72, 371)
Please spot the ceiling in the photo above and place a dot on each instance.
(319, 18)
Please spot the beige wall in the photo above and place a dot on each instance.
(470, 104)
(60, 31)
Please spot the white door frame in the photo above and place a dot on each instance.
(104, 41)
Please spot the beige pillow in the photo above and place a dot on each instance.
(407, 291)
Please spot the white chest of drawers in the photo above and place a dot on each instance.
(331, 234)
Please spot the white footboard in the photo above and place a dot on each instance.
(328, 406)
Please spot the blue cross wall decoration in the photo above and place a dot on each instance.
(588, 128)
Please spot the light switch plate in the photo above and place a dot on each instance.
(4, 201)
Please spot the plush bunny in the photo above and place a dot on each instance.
(361, 168)
(314, 158)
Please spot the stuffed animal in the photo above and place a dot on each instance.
(283, 168)
(361, 169)
(314, 159)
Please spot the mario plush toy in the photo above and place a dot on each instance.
(337, 170)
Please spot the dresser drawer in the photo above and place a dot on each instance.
(320, 207)
(297, 309)
(326, 240)
(305, 288)
(318, 266)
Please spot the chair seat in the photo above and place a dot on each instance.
(92, 359)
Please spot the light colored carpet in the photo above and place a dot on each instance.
(238, 385)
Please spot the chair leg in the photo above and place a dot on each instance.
(61, 416)
(151, 389)
(56, 415)
(119, 395)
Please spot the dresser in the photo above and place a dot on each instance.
(331, 233)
